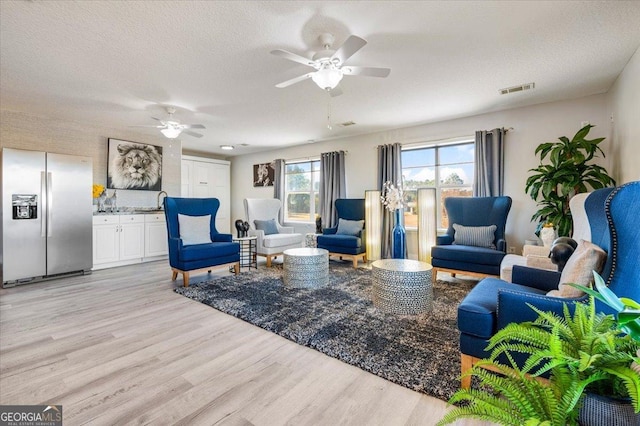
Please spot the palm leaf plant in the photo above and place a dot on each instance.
(627, 310)
(568, 172)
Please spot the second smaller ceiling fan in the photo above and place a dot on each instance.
(172, 128)
(330, 64)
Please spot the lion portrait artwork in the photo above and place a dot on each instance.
(134, 166)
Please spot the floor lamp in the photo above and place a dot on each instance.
(373, 224)
(427, 228)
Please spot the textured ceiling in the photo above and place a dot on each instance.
(117, 63)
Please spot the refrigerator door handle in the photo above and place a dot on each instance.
(49, 202)
(43, 205)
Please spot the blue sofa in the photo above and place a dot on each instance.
(612, 215)
(189, 258)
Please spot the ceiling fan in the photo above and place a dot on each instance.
(172, 129)
(330, 64)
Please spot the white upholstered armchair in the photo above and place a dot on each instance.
(272, 238)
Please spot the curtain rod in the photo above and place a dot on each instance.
(443, 141)
(309, 158)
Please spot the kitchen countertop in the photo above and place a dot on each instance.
(131, 210)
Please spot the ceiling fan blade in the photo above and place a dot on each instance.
(351, 46)
(193, 126)
(190, 133)
(158, 119)
(336, 91)
(293, 81)
(368, 71)
(293, 57)
(155, 127)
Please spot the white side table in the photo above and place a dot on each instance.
(402, 286)
(311, 240)
(305, 267)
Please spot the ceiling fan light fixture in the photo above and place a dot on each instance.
(327, 77)
(171, 132)
(227, 147)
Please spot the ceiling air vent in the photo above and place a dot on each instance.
(347, 123)
(517, 88)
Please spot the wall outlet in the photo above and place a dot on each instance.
(511, 250)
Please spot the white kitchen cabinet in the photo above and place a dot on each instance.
(122, 239)
(155, 235)
(106, 239)
(209, 178)
(131, 236)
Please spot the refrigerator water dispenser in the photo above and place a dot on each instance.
(25, 206)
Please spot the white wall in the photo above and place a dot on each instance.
(531, 126)
(24, 131)
(624, 107)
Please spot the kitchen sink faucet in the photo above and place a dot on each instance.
(159, 195)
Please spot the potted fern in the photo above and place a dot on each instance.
(583, 353)
(627, 313)
(509, 396)
(587, 343)
(567, 173)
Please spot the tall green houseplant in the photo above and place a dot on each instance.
(568, 172)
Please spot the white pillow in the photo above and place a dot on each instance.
(194, 229)
(588, 257)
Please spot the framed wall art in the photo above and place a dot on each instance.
(134, 165)
(263, 174)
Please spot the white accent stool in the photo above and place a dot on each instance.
(306, 267)
(402, 286)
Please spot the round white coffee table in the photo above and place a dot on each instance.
(306, 267)
(402, 286)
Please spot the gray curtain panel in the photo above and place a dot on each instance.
(278, 185)
(389, 169)
(488, 178)
(332, 186)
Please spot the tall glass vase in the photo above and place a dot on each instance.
(398, 237)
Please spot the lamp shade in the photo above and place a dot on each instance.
(171, 132)
(327, 78)
(427, 228)
(373, 224)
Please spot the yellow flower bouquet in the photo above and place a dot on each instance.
(97, 190)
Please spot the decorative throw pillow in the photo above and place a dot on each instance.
(478, 236)
(349, 227)
(194, 229)
(268, 226)
(588, 257)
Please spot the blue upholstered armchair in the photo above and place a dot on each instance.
(346, 240)
(612, 216)
(194, 242)
(474, 243)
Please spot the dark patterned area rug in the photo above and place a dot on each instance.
(419, 352)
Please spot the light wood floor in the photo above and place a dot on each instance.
(119, 347)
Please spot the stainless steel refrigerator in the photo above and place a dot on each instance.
(46, 215)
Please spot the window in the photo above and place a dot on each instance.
(302, 182)
(448, 168)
